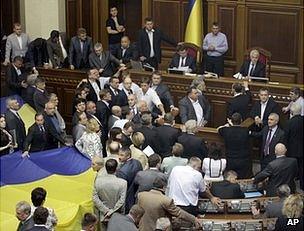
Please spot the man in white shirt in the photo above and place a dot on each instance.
(184, 185)
(296, 98)
(149, 95)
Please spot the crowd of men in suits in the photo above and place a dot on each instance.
(146, 167)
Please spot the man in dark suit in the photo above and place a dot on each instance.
(94, 85)
(262, 108)
(37, 53)
(128, 170)
(149, 132)
(28, 95)
(167, 135)
(240, 101)
(40, 137)
(282, 170)
(238, 153)
(228, 188)
(129, 222)
(126, 51)
(52, 122)
(103, 113)
(253, 67)
(122, 97)
(144, 179)
(194, 107)
(15, 78)
(103, 60)
(182, 59)
(271, 135)
(23, 214)
(162, 91)
(113, 88)
(149, 41)
(116, 115)
(56, 50)
(80, 48)
(40, 96)
(294, 138)
(14, 122)
(40, 217)
(193, 145)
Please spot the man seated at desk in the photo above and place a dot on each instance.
(181, 60)
(126, 51)
(253, 67)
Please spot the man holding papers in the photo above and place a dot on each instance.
(182, 61)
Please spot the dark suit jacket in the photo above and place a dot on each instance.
(278, 137)
(92, 95)
(130, 53)
(271, 107)
(274, 209)
(144, 179)
(151, 138)
(54, 53)
(13, 81)
(40, 141)
(50, 124)
(128, 172)
(167, 136)
(193, 146)
(114, 98)
(14, 123)
(122, 99)
(190, 62)
(165, 97)
(105, 62)
(226, 190)
(37, 53)
(75, 55)
(40, 99)
(29, 96)
(259, 70)
(103, 113)
(27, 225)
(143, 43)
(187, 111)
(280, 171)
(239, 104)
(294, 136)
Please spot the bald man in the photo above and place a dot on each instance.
(116, 115)
(126, 51)
(282, 170)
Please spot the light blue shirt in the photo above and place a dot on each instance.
(219, 41)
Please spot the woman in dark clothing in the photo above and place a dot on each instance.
(6, 145)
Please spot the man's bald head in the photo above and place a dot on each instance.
(114, 148)
(280, 149)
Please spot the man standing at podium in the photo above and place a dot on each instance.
(216, 45)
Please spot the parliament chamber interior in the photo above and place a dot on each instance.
(166, 115)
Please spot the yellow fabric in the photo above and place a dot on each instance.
(27, 113)
(69, 196)
(194, 27)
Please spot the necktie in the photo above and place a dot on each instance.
(81, 47)
(252, 69)
(41, 128)
(268, 140)
(130, 92)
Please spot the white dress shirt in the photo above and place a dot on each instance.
(96, 88)
(184, 184)
(64, 52)
(214, 169)
(182, 62)
(198, 112)
(150, 35)
(299, 101)
(263, 107)
(19, 41)
(150, 97)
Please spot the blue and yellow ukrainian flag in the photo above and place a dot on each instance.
(194, 28)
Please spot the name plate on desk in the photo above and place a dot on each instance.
(215, 225)
(205, 206)
(258, 79)
(176, 71)
(247, 225)
(240, 206)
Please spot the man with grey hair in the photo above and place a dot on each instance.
(273, 209)
(270, 135)
(184, 185)
(294, 138)
(23, 214)
(282, 170)
(14, 122)
(163, 224)
(102, 60)
(252, 66)
(194, 146)
(30, 90)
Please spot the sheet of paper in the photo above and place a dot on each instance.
(148, 151)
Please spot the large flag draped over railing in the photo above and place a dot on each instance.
(194, 28)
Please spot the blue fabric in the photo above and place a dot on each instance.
(3, 102)
(191, 4)
(62, 161)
